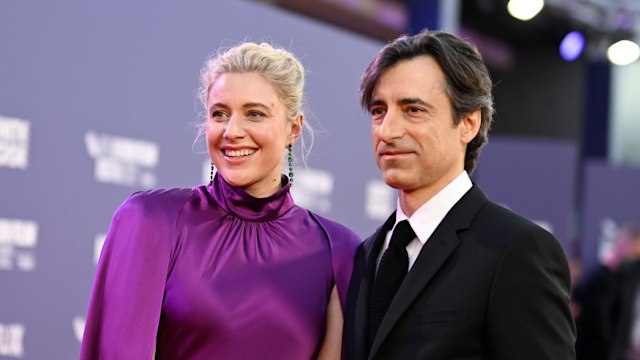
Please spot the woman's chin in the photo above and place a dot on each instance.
(234, 178)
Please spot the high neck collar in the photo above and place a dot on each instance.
(236, 201)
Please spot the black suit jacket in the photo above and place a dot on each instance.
(488, 284)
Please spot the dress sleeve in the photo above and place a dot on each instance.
(529, 315)
(344, 244)
(125, 306)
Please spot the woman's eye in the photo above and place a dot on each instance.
(255, 114)
(218, 115)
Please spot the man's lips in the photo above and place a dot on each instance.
(393, 153)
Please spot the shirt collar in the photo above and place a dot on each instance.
(428, 216)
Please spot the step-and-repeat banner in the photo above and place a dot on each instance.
(535, 178)
(611, 202)
(98, 100)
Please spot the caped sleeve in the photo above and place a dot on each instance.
(126, 301)
(343, 243)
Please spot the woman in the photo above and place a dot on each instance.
(232, 270)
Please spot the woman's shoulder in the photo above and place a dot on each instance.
(338, 233)
(157, 202)
(162, 195)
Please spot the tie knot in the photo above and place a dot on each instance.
(402, 234)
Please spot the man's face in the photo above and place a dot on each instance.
(634, 251)
(415, 143)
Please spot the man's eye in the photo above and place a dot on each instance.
(376, 111)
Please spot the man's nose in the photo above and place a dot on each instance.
(391, 126)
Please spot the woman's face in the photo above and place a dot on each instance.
(248, 132)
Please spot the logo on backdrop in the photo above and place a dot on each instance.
(98, 243)
(78, 324)
(545, 224)
(312, 189)
(18, 240)
(608, 240)
(380, 200)
(14, 143)
(206, 171)
(123, 161)
(12, 339)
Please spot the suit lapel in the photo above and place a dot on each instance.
(372, 246)
(373, 243)
(442, 243)
(435, 252)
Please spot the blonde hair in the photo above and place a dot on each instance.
(278, 66)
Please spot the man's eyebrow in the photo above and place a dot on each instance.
(403, 101)
(414, 100)
(376, 102)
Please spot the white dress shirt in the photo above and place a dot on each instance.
(428, 216)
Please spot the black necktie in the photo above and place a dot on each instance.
(391, 271)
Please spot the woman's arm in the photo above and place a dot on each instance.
(332, 344)
(126, 301)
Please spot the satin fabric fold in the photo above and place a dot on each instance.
(213, 273)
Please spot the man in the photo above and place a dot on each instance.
(468, 279)
(625, 301)
(604, 303)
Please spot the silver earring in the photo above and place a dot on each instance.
(290, 159)
(211, 176)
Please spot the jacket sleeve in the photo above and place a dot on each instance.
(528, 314)
(125, 306)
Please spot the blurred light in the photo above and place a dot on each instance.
(623, 52)
(572, 45)
(524, 9)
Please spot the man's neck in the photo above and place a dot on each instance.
(412, 199)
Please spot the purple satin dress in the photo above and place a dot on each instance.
(214, 273)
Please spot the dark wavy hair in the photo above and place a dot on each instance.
(468, 83)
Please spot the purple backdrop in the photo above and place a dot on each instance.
(610, 200)
(535, 178)
(97, 100)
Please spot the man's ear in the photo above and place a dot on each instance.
(470, 125)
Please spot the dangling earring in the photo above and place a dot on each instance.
(211, 176)
(290, 159)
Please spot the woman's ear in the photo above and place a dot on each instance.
(470, 125)
(296, 129)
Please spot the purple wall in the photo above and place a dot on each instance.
(97, 100)
(611, 200)
(535, 178)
